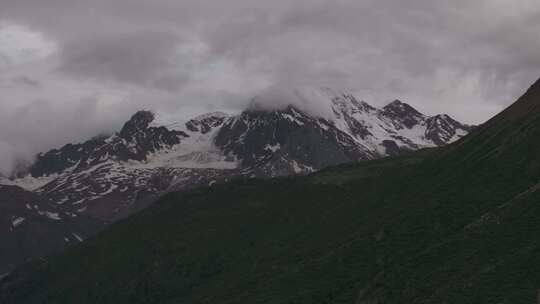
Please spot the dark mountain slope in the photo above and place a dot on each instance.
(32, 226)
(458, 224)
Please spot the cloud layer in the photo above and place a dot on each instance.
(71, 68)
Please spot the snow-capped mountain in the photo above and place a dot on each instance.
(109, 177)
(288, 141)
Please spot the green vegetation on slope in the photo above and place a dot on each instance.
(452, 225)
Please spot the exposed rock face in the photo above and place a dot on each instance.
(402, 114)
(135, 141)
(58, 160)
(205, 123)
(442, 129)
(287, 141)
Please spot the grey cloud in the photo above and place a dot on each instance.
(142, 58)
(26, 81)
(465, 58)
(42, 124)
(385, 43)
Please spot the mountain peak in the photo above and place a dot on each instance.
(443, 117)
(206, 122)
(396, 102)
(216, 114)
(400, 111)
(399, 105)
(442, 129)
(139, 121)
(348, 102)
(258, 109)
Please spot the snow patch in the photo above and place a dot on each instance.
(29, 182)
(80, 239)
(16, 222)
(52, 215)
(273, 148)
(196, 151)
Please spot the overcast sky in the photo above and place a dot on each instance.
(70, 69)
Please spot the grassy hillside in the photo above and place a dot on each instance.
(452, 225)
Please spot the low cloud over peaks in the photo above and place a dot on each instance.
(469, 59)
